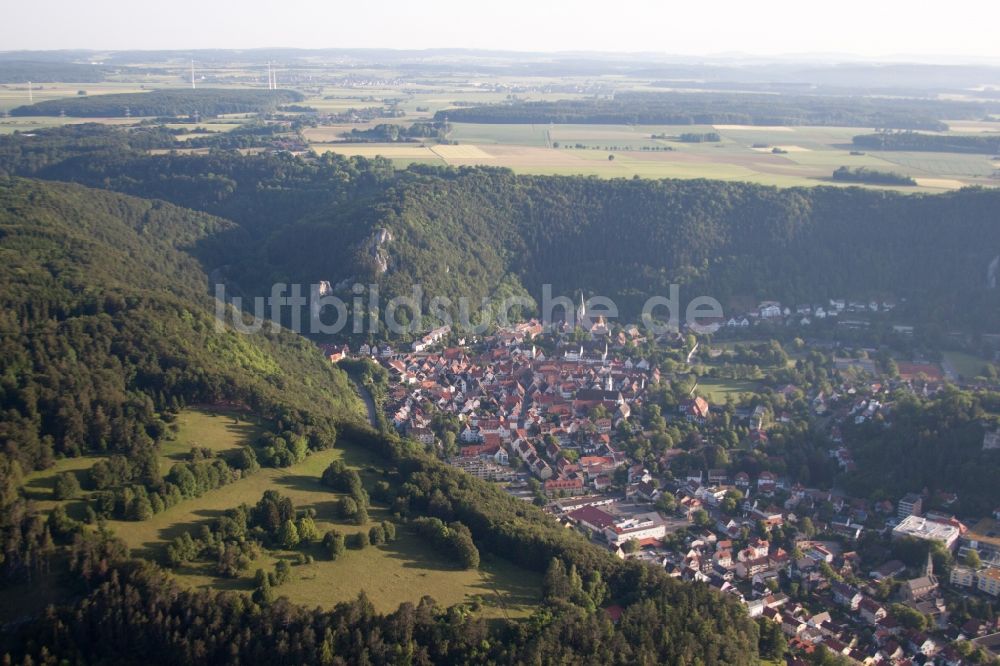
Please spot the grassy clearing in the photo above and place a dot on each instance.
(218, 430)
(716, 390)
(299, 482)
(966, 365)
(38, 486)
(518, 135)
(943, 164)
(403, 571)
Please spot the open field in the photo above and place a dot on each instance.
(809, 157)
(38, 486)
(16, 94)
(219, 430)
(958, 165)
(518, 135)
(393, 151)
(391, 574)
(31, 123)
(404, 570)
(716, 390)
(966, 365)
(753, 128)
(466, 152)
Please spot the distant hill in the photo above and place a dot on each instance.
(203, 101)
(22, 71)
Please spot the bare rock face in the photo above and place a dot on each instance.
(372, 258)
(376, 251)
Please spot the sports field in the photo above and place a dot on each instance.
(717, 390)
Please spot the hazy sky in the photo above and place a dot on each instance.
(763, 27)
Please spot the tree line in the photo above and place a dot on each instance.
(205, 102)
(983, 144)
(714, 108)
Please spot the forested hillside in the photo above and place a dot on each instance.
(133, 607)
(477, 232)
(933, 443)
(107, 322)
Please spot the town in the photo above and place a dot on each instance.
(612, 433)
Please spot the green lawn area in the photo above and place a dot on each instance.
(39, 485)
(716, 390)
(521, 135)
(967, 365)
(218, 430)
(402, 571)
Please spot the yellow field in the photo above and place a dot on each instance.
(391, 151)
(462, 152)
(786, 148)
(753, 128)
(941, 183)
(972, 126)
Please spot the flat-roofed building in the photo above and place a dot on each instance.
(643, 526)
(927, 530)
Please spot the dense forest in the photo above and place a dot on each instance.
(934, 443)
(107, 321)
(984, 144)
(205, 102)
(871, 176)
(393, 132)
(676, 108)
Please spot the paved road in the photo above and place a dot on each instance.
(369, 403)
